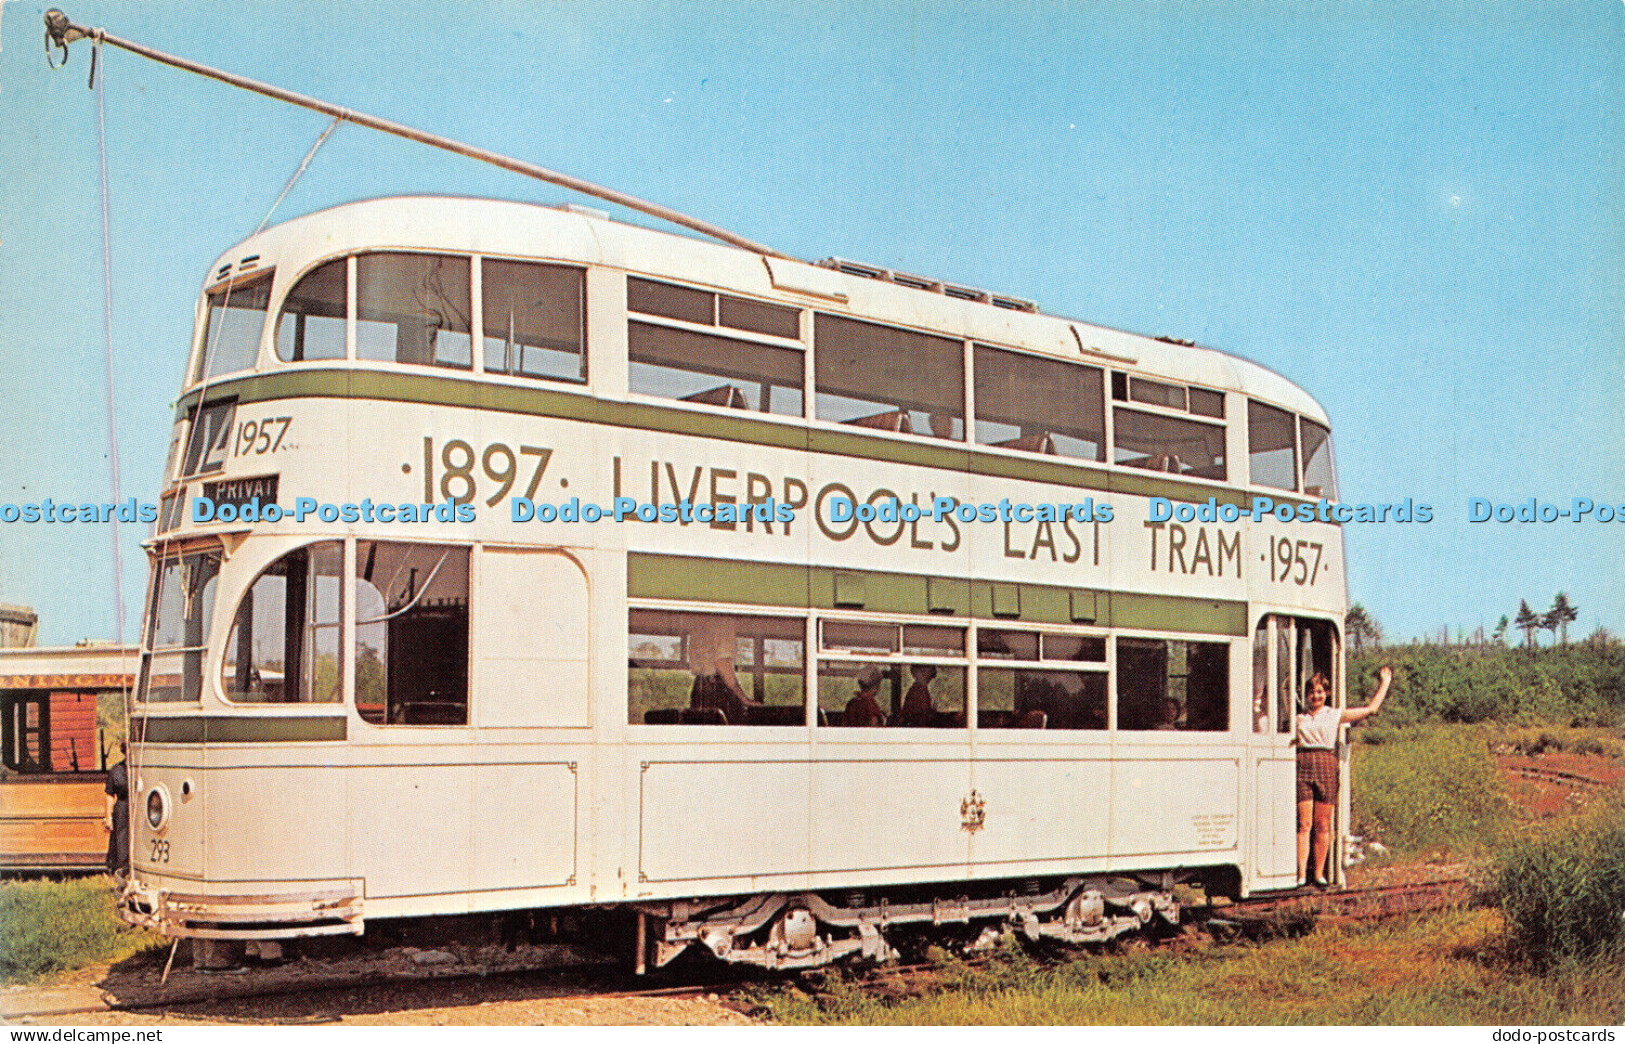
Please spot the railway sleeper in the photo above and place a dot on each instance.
(796, 931)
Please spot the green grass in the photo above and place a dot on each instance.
(1443, 969)
(1431, 789)
(48, 927)
(1564, 894)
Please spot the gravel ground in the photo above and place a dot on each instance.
(563, 988)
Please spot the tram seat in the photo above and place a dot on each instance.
(765, 714)
(721, 395)
(1168, 462)
(891, 420)
(685, 716)
(1033, 719)
(431, 712)
(1038, 442)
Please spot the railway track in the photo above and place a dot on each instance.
(1349, 904)
(1254, 917)
(1557, 777)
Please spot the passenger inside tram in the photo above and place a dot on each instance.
(863, 709)
(919, 709)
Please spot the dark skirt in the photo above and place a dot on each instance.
(118, 841)
(1317, 776)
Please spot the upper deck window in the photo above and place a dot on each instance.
(890, 379)
(231, 334)
(717, 371)
(1042, 405)
(532, 320)
(1319, 472)
(414, 308)
(1157, 393)
(311, 325)
(1272, 447)
(1203, 402)
(1172, 444)
(691, 305)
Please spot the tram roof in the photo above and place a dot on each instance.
(580, 236)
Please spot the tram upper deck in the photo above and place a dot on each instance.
(263, 269)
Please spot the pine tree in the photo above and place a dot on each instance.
(1528, 623)
(1564, 613)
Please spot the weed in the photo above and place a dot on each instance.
(1430, 789)
(48, 927)
(1564, 894)
(1425, 970)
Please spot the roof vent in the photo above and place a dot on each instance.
(930, 286)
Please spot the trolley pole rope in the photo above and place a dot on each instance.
(60, 32)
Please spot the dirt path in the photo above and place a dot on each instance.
(356, 984)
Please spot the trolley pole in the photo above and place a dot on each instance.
(60, 32)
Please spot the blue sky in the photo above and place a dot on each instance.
(1412, 209)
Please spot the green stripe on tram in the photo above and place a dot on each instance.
(435, 390)
(689, 579)
(224, 729)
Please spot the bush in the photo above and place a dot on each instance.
(53, 926)
(1429, 789)
(1577, 685)
(1563, 896)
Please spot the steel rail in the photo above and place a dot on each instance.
(60, 32)
(1375, 902)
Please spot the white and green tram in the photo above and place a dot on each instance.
(795, 711)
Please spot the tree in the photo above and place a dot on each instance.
(1548, 622)
(1500, 634)
(1527, 622)
(1361, 628)
(1564, 614)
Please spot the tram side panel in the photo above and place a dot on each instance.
(487, 814)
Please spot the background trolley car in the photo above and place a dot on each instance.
(362, 711)
(54, 754)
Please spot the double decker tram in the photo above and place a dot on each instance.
(958, 613)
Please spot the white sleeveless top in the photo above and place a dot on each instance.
(1318, 731)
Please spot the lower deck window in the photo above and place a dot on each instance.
(690, 666)
(714, 669)
(411, 633)
(1168, 685)
(855, 694)
(284, 643)
(1040, 698)
(178, 620)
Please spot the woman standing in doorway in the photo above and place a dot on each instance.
(1316, 739)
